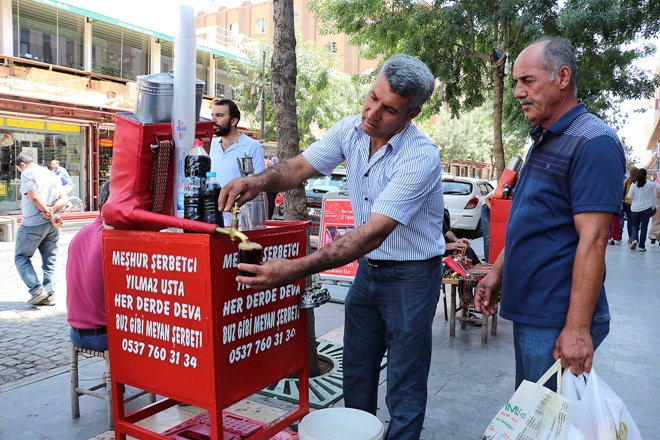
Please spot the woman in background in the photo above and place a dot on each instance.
(644, 205)
(627, 183)
(654, 233)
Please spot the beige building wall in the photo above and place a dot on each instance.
(248, 14)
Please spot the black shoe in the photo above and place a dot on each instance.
(653, 241)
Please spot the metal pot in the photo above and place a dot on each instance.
(155, 95)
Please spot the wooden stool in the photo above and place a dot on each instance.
(77, 391)
(453, 308)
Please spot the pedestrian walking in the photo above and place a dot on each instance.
(63, 174)
(42, 198)
(644, 206)
(654, 232)
(627, 183)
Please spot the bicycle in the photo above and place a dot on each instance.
(74, 205)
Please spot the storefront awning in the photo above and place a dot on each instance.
(54, 111)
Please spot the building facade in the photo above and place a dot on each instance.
(65, 72)
(229, 26)
(653, 129)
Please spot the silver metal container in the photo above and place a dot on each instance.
(254, 213)
(155, 94)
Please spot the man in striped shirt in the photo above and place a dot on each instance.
(394, 182)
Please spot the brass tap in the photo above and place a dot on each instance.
(233, 232)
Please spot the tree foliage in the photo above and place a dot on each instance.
(470, 137)
(468, 44)
(323, 94)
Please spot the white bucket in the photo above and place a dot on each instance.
(340, 424)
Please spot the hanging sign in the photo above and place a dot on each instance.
(106, 142)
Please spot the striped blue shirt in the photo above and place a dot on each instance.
(402, 181)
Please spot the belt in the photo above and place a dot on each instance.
(90, 331)
(380, 263)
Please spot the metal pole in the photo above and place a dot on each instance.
(263, 102)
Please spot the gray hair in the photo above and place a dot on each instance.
(558, 53)
(24, 158)
(409, 76)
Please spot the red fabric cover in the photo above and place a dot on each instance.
(130, 193)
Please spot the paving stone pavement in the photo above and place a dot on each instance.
(33, 339)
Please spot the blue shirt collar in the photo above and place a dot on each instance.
(561, 124)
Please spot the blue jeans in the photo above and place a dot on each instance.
(534, 347)
(627, 213)
(45, 238)
(640, 226)
(92, 342)
(485, 227)
(391, 308)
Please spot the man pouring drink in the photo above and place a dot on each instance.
(394, 179)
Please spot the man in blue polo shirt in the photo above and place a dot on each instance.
(394, 180)
(552, 270)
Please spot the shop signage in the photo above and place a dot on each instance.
(336, 220)
(180, 324)
(106, 142)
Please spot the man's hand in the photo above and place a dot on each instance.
(576, 349)
(275, 272)
(488, 289)
(455, 246)
(463, 241)
(56, 220)
(239, 190)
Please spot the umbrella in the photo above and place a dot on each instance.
(6, 140)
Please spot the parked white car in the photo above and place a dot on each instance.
(463, 198)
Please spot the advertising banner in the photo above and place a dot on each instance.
(337, 220)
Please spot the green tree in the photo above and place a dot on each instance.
(467, 44)
(324, 95)
(470, 137)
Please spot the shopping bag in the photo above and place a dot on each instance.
(534, 412)
(595, 410)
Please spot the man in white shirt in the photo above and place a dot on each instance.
(230, 144)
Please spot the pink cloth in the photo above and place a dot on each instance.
(85, 297)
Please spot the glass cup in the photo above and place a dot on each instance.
(249, 253)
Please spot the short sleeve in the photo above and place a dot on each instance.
(595, 178)
(326, 153)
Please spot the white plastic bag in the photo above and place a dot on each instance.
(595, 410)
(534, 412)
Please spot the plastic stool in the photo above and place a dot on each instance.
(77, 391)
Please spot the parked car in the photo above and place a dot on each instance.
(463, 198)
(315, 187)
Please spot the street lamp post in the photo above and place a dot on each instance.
(263, 85)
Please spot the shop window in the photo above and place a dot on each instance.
(121, 53)
(203, 64)
(55, 37)
(261, 26)
(166, 56)
(45, 145)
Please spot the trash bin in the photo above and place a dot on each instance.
(340, 424)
